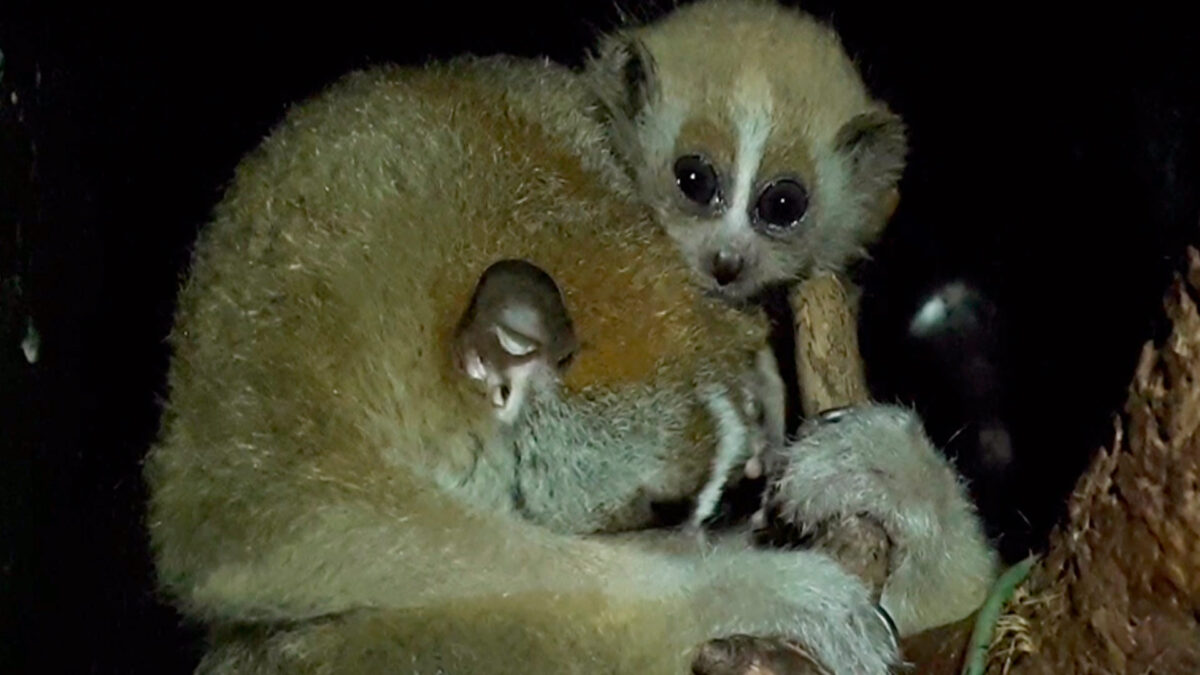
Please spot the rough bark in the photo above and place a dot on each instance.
(1119, 590)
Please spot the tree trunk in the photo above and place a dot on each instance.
(1119, 590)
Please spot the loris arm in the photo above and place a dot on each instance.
(463, 584)
(571, 635)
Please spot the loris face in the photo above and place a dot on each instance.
(738, 201)
(749, 132)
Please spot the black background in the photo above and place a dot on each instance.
(1054, 167)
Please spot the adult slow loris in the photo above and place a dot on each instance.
(330, 491)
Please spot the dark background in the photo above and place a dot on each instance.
(1054, 169)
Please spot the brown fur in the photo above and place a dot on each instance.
(327, 480)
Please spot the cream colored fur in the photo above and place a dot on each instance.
(875, 460)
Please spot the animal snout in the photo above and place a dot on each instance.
(726, 267)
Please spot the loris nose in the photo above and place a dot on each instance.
(726, 267)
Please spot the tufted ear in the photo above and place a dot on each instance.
(622, 75)
(875, 145)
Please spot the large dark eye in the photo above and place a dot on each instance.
(696, 178)
(782, 203)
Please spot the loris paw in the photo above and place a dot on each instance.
(859, 469)
(866, 486)
(840, 487)
(746, 655)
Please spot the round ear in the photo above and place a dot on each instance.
(623, 77)
(875, 144)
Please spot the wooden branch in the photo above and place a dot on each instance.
(830, 368)
(831, 375)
